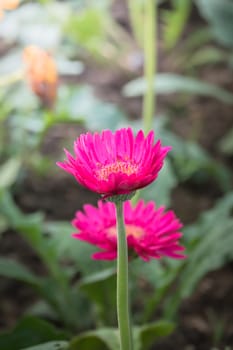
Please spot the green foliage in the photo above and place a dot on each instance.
(94, 113)
(9, 172)
(168, 83)
(13, 269)
(209, 244)
(88, 29)
(219, 14)
(94, 32)
(226, 143)
(3, 224)
(30, 331)
(101, 339)
(187, 160)
(27, 126)
(206, 55)
(108, 338)
(197, 39)
(57, 345)
(175, 21)
(160, 190)
(190, 160)
(79, 253)
(100, 288)
(80, 105)
(148, 334)
(53, 289)
(78, 292)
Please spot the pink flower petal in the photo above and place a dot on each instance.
(151, 232)
(115, 163)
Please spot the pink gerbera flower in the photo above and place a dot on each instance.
(115, 163)
(151, 232)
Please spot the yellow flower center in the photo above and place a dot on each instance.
(117, 167)
(131, 230)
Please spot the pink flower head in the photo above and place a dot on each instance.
(115, 163)
(151, 232)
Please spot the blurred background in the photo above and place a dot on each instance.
(67, 67)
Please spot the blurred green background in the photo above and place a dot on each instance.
(53, 296)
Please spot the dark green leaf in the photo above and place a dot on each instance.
(101, 339)
(212, 248)
(190, 159)
(54, 345)
(13, 269)
(30, 331)
(101, 289)
(3, 224)
(148, 334)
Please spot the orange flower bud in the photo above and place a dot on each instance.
(7, 5)
(41, 73)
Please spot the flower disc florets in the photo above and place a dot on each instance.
(151, 232)
(115, 163)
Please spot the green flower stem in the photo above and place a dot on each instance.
(150, 58)
(122, 283)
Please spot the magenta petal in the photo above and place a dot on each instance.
(104, 256)
(151, 232)
(115, 163)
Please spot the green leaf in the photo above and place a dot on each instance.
(175, 21)
(204, 56)
(31, 228)
(220, 16)
(148, 334)
(210, 247)
(13, 269)
(101, 289)
(60, 236)
(87, 29)
(108, 338)
(96, 114)
(226, 143)
(97, 277)
(3, 224)
(28, 332)
(9, 172)
(160, 275)
(160, 190)
(42, 309)
(191, 160)
(9, 209)
(81, 105)
(168, 83)
(54, 345)
(101, 339)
